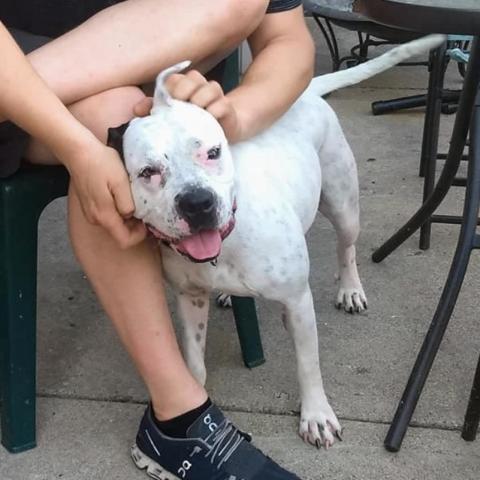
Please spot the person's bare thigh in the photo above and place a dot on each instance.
(132, 41)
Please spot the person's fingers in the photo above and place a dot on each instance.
(142, 108)
(172, 80)
(123, 197)
(225, 114)
(86, 205)
(196, 76)
(184, 88)
(135, 232)
(220, 109)
(90, 214)
(138, 231)
(126, 233)
(116, 210)
(207, 94)
(115, 225)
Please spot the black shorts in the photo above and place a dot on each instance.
(13, 140)
(50, 18)
(32, 24)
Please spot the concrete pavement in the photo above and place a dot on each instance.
(91, 399)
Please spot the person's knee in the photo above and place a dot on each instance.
(236, 20)
(107, 109)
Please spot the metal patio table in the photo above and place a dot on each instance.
(452, 17)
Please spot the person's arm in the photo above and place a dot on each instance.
(282, 67)
(97, 173)
(27, 102)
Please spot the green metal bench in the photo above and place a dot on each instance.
(23, 197)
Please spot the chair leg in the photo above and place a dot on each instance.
(467, 241)
(18, 284)
(428, 161)
(244, 310)
(231, 73)
(331, 41)
(472, 416)
(246, 321)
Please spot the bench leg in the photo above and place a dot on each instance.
(245, 314)
(18, 284)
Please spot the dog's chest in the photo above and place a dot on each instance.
(195, 279)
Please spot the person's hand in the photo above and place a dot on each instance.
(142, 108)
(103, 188)
(195, 88)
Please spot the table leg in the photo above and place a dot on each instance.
(466, 242)
(472, 416)
(457, 145)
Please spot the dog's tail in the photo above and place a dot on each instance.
(333, 81)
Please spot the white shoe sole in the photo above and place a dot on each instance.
(153, 469)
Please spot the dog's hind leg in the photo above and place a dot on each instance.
(350, 295)
(339, 202)
(318, 422)
(193, 312)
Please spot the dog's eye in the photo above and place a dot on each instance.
(214, 152)
(148, 172)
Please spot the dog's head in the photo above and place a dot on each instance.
(181, 174)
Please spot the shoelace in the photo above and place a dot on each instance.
(225, 441)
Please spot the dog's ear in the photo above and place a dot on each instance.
(162, 95)
(115, 139)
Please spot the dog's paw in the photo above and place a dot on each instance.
(319, 425)
(223, 300)
(352, 300)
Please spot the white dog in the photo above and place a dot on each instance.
(187, 183)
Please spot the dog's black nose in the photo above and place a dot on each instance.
(198, 207)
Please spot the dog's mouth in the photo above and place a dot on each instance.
(200, 247)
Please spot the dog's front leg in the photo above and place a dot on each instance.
(318, 422)
(193, 312)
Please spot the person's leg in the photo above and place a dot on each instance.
(131, 42)
(129, 282)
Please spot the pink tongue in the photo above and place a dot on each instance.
(203, 245)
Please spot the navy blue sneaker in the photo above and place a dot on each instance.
(213, 450)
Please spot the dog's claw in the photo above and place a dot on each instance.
(223, 300)
(318, 443)
(352, 300)
(338, 434)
